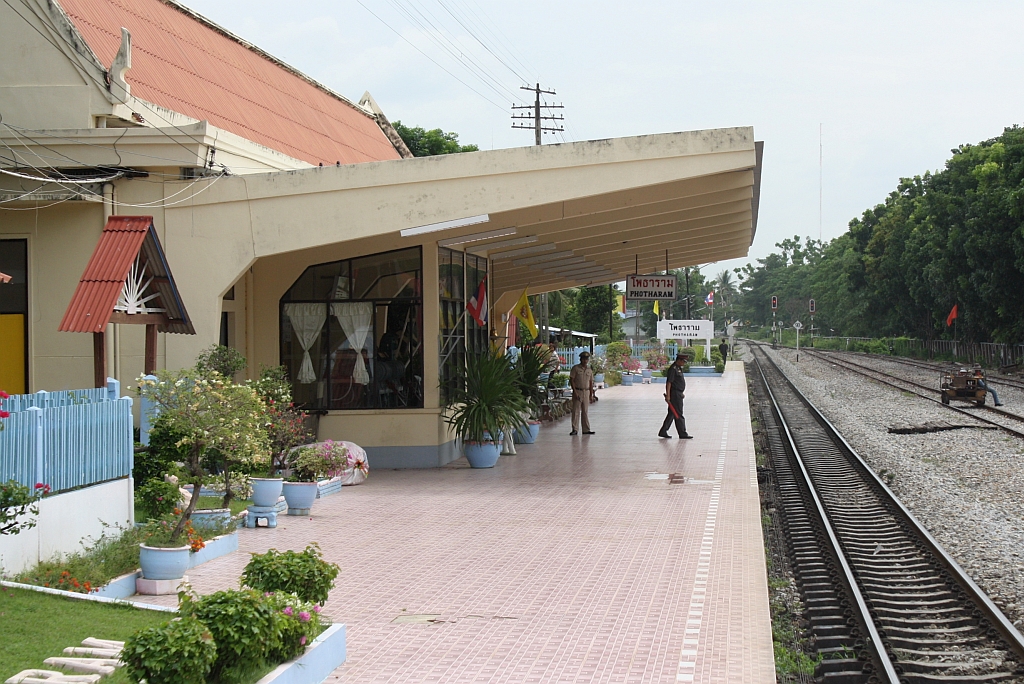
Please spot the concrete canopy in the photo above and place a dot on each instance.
(549, 217)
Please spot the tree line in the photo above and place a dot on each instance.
(954, 237)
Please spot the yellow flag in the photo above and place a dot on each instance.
(524, 314)
(657, 309)
(620, 304)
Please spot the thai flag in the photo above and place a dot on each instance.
(477, 305)
(710, 299)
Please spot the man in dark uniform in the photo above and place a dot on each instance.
(723, 349)
(675, 384)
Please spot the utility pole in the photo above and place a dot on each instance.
(538, 120)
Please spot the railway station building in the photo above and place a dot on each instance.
(296, 225)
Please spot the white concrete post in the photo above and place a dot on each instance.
(113, 389)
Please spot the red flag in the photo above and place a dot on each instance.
(477, 305)
(951, 316)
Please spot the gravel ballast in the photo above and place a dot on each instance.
(966, 486)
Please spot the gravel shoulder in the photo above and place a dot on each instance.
(966, 486)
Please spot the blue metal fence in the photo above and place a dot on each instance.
(67, 441)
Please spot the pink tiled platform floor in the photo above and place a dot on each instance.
(574, 561)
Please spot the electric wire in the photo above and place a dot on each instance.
(438, 65)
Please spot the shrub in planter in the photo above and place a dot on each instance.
(719, 367)
(298, 623)
(157, 498)
(306, 574)
(162, 453)
(616, 353)
(243, 625)
(311, 463)
(177, 652)
(612, 377)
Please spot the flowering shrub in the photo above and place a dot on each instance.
(4, 414)
(656, 357)
(306, 574)
(157, 498)
(298, 624)
(18, 501)
(160, 534)
(313, 462)
(66, 582)
(244, 626)
(213, 414)
(616, 353)
(115, 553)
(631, 364)
(181, 651)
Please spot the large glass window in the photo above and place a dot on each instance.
(352, 332)
(460, 276)
(14, 317)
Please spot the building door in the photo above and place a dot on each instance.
(14, 317)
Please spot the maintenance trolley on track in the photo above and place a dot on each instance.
(963, 384)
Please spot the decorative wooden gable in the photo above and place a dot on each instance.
(128, 281)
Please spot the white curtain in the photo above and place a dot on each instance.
(307, 322)
(356, 320)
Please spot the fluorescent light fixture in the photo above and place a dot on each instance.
(547, 247)
(476, 237)
(446, 225)
(543, 257)
(480, 249)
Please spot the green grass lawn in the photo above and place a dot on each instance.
(207, 502)
(36, 626)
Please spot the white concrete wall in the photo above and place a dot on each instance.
(65, 521)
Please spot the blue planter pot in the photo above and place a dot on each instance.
(163, 564)
(212, 517)
(599, 377)
(481, 454)
(300, 496)
(646, 373)
(627, 380)
(528, 434)
(266, 491)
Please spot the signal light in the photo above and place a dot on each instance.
(775, 302)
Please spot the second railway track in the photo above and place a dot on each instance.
(885, 602)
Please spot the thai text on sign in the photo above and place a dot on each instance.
(650, 287)
(685, 330)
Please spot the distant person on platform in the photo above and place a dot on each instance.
(723, 349)
(581, 380)
(675, 384)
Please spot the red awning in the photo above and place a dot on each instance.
(125, 239)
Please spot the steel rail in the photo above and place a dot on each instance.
(853, 367)
(1007, 631)
(930, 365)
(874, 639)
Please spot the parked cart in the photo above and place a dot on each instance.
(963, 384)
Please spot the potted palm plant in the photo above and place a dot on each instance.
(484, 400)
(531, 366)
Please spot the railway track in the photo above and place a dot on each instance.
(932, 366)
(921, 390)
(885, 603)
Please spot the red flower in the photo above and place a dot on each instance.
(5, 414)
(4, 395)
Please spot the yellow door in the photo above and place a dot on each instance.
(12, 353)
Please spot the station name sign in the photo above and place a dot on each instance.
(650, 287)
(685, 330)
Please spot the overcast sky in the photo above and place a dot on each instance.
(894, 85)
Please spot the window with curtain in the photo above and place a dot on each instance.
(459, 276)
(352, 331)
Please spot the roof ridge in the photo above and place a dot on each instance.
(192, 14)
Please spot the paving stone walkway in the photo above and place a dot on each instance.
(574, 561)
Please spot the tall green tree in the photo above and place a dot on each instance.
(424, 143)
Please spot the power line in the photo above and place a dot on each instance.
(393, 30)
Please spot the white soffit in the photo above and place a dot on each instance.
(568, 262)
(446, 225)
(477, 237)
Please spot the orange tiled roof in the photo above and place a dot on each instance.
(122, 239)
(185, 63)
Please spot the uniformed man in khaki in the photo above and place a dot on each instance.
(581, 380)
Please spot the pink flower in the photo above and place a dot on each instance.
(304, 616)
(4, 395)
(316, 609)
(288, 611)
(302, 640)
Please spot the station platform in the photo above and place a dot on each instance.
(577, 560)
